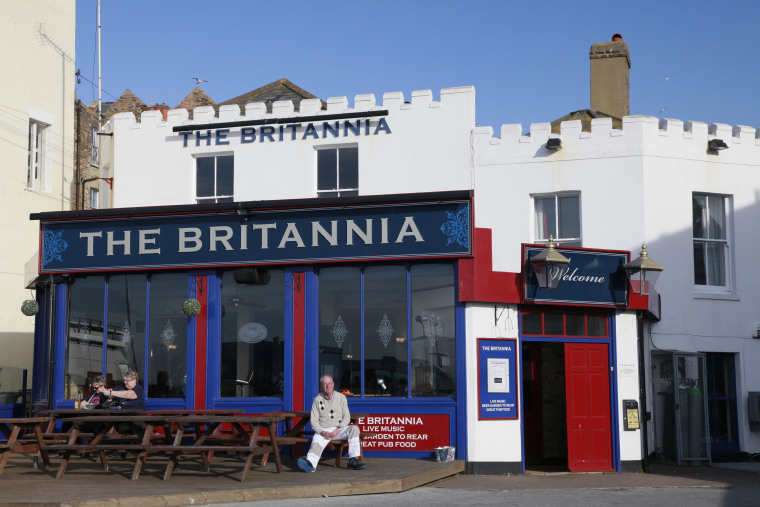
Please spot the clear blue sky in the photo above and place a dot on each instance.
(528, 60)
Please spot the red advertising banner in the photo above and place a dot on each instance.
(417, 432)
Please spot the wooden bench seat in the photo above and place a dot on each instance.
(96, 448)
(189, 449)
(207, 451)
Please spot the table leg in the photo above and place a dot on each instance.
(210, 431)
(67, 454)
(252, 442)
(174, 457)
(41, 443)
(275, 446)
(143, 454)
(12, 437)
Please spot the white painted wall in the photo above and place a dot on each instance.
(490, 440)
(427, 150)
(37, 81)
(636, 186)
(627, 373)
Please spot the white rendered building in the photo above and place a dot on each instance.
(37, 153)
(389, 245)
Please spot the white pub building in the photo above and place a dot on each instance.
(408, 253)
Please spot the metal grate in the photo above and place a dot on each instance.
(681, 424)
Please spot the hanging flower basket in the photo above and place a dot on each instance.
(191, 307)
(30, 307)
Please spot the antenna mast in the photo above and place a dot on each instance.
(100, 103)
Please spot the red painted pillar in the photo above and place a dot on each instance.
(200, 343)
(299, 333)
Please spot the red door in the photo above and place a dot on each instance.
(587, 385)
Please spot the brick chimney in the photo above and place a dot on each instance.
(610, 76)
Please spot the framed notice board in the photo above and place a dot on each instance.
(497, 378)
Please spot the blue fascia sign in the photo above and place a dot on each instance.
(283, 236)
(497, 378)
(593, 277)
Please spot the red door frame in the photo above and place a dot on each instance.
(589, 422)
(531, 353)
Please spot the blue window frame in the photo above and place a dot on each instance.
(250, 347)
(388, 330)
(721, 399)
(126, 322)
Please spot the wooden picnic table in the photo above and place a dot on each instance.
(11, 428)
(245, 439)
(60, 413)
(141, 428)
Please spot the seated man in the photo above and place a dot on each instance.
(330, 420)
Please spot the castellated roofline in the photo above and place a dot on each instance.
(667, 134)
(392, 101)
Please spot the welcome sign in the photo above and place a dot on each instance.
(377, 231)
(593, 277)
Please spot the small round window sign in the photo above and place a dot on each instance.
(253, 332)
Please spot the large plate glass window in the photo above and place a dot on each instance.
(338, 172)
(167, 345)
(126, 327)
(215, 179)
(123, 300)
(340, 329)
(711, 241)
(388, 330)
(559, 216)
(253, 330)
(84, 337)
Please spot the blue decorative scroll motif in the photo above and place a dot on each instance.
(457, 228)
(53, 246)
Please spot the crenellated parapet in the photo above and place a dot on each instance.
(640, 135)
(421, 101)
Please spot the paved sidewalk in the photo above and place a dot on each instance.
(659, 476)
(86, 484)
(664, 486)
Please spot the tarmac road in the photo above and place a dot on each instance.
(734, 496)
(730, 485)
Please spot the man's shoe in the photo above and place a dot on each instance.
(354, 464)
(304, 465)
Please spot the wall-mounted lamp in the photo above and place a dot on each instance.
(554, 144)
(716, 145)
(547, 263)
(245, 214)
(642, 272)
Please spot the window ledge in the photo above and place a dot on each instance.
(728, 296)
(37, 191)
